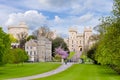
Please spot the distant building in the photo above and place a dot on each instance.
(31, 49)
(15, 30)
(78, 41)
(39, 50)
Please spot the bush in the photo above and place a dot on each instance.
(16, 56)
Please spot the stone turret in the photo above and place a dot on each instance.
(15, 30)
(72, 39)
(87, 35)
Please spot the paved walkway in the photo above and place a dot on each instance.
(60, 69)
(76, 56)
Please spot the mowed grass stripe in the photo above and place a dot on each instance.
(85, 72)
(27, 69)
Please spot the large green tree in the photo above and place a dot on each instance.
(5, 44)
(108, 50)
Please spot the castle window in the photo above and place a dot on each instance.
(34, 52)
(72, 41)
(80, 41)
(72, 45)
(30, 52)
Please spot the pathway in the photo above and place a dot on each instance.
(76, 56)
(60, 69)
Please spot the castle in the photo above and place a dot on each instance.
(38, 50)
(79, 41)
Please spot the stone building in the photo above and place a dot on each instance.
(39, 50)
(31, 49)
(78, 41)
(15, 30)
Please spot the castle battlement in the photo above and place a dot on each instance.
(77, 39)
(21, 25)
(89, 29)
(71, 29)
(79, 35)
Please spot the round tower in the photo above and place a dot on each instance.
(15, 30)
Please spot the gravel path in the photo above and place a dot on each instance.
(60, 69)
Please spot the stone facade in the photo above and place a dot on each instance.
(15, 30)
(31, 49)
(78, 41)
(39, 50)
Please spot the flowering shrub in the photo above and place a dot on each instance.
(61, 52)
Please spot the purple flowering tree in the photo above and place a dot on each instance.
(62, 53)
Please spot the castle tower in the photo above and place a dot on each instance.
(72, 39)
(80, 42)
(15, 30)
(87, 34)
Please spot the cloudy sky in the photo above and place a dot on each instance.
(59, 15)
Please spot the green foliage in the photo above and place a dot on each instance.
(108, 50)
(12, 39)
(58, 42)
(16, 56)
(5, 45)
(71, 54)
(92, 52)
(57, 58)
(31, 37)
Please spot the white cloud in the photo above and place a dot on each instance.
(5, 10)
(32, 18)
(57, 19)
(77, 12)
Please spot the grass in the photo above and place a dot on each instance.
(85, 72)
(27, 69)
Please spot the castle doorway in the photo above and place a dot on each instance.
(80, 49)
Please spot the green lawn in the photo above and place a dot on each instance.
(27, 69)
(85, 72)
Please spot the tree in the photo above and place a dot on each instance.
(108, 50)
(12, 39)
(44, 31)
(16, 56)
(92, 52)
(5, 45)
(31, 37)
(63, 54)
(58, 42)
(22, 39)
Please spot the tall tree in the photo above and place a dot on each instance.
(43, 31)
(108, 51)
(5, 44)
(22, 39)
